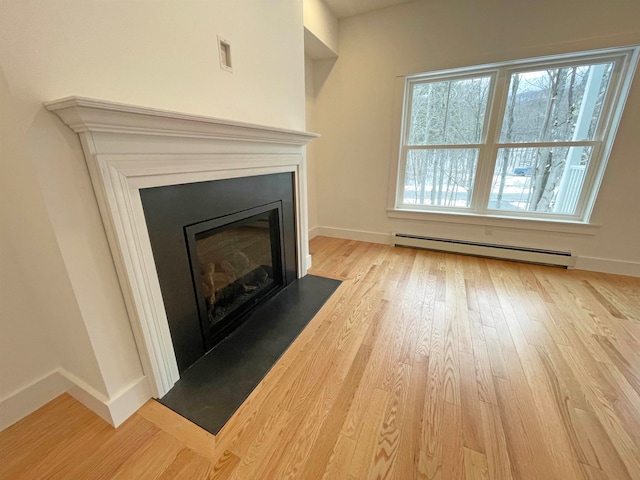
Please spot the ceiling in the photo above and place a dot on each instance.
(347, 8)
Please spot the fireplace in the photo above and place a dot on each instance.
(235, 264)
(221, 248)
(132, 150)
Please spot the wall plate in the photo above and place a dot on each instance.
(224, 49)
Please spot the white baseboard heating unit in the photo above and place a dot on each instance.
(506, 252)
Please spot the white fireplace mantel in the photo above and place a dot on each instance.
(128, 148)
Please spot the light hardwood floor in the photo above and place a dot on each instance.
(422, 365)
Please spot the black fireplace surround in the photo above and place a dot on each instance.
(206, 295)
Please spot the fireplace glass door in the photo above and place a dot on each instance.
(236, 262)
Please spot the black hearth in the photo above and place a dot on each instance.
(221, 249)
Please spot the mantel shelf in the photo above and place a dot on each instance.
(83, 114)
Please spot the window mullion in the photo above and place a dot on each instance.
(580, 143)
(488, 152)
(461, 146)
(584, 200)
(402, 168)
(404, 150)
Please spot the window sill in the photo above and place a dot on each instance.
(494, 221)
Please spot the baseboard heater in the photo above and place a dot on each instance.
(505, 252)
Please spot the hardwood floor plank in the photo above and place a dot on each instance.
(592, 473)
(610, 307)
(458, 303)
(565, 406)
(556, 425)
(431, 436)
(103, 461)
(494, 350)
(378, 373)
(386, 452)
(559, 371)
(625, 400)
(548, 462)
(452, 442)
(470, 403)
(425, 324)
(188, 433)
(518, 444)
(225, 466)
(415, 323)
(338, 464)
(608, 457)
(327, 437)
(310, 426)
(451, 363)
(495, 442)
(619, 291)
(371, 380)
(188, 464)
(629, 369)
(610, 428)
(475, 465)
(484, 376)
(366, 443)
(39, 433)
(63, 457)
(408, 459)
(260, 448)
(151, 460)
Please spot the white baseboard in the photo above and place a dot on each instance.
(360, 235)
(607, 265)
(594, 264)
(313, 232)
(114, 410)
(128, 400)
(21, 403)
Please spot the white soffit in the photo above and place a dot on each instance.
(348, 8)
(315, 48)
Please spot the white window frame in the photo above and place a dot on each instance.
(625, 59)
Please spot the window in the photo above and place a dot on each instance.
(525, 139)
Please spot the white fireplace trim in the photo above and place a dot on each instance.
(128, 148)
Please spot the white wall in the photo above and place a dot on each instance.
(355, 106)
(26, 274)
(41, 329)
(160, 54)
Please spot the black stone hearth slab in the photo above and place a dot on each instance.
(213, 388)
